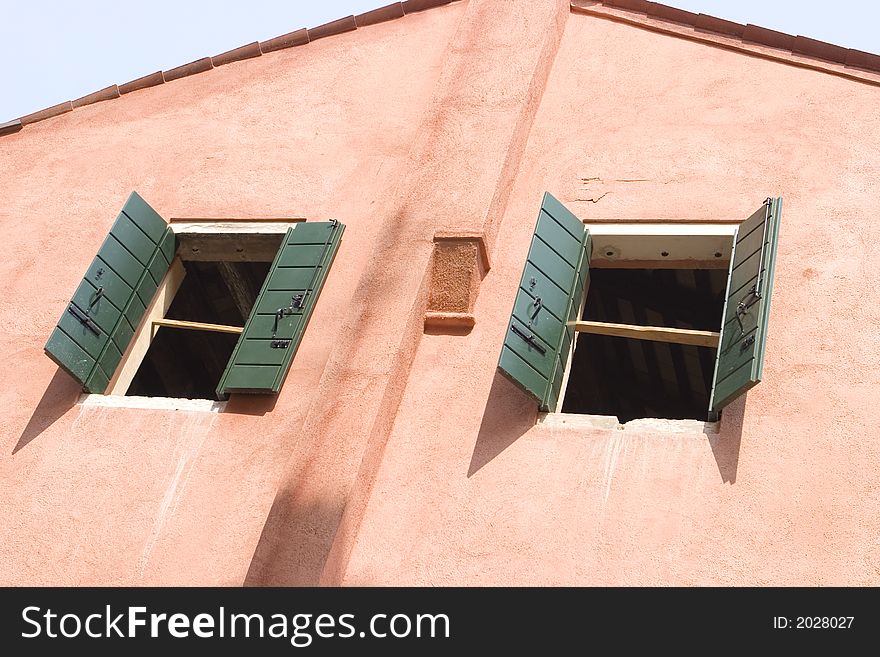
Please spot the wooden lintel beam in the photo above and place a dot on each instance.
(229, 247)
(196, 326)
(655, 333)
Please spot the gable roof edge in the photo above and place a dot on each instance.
(256, 49)
(799, 51)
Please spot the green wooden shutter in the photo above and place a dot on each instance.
(99, 322)
(281, 312)
(740, 358)
(538, 339)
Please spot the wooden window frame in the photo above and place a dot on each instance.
(642, 245)
(154, 317)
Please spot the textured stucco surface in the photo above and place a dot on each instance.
(394, 456)
(639, 124)
(455, 276)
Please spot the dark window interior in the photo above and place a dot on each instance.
(189, 363)
(633, 378)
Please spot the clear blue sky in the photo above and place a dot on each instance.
(60, 50)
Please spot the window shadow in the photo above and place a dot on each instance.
(59, 397)
(244, 404)
(509, 414)
(725, 444)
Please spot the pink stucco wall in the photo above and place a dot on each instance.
(396, 457)
(119, 496)
(471, 491)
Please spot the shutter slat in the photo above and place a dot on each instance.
(302, 263)
(90, 342)
(545, 325)
(134, 310)
(560, 240)
(168, 245)
(69, 355)
(103, 312)
(537, 343)
(541, 362)
(132, 259)
(116, 290)
(146, 288)
(145, 217)
(741, 346)
(554, 299)
(251, 378)
(262, 325)
(551, 264)
(290, 278)
(114, 253)
(301, 255)
(109, 359)
(133, 239)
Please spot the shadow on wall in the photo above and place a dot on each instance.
(59, 397)
(509, 414)
(282, 560)
(243, 404)
(725, 444)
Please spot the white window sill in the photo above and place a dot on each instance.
(154, 403)
(574, 421)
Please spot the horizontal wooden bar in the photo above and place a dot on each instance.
(655, 333)
(197, 326)
(609, 263)
(229, 247)
(224, 220)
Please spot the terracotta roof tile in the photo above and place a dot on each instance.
(198, 66)
(150, 80)
(289, 40)
(47, 113)
(767, 37)
(821, 49)
(861, 59)
(799, 45)
(107, 93)
(346, 24)
(713, 24)
(9, 127)
(380, 15)
(631, 5)
(411, 6)
(237, 54)
(671, 13)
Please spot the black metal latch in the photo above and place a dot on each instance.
(750, 299)
(83, 317)
(279, 344)
(528, 338)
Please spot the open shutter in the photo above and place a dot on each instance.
(99, 322)
(740, 358)
(281, 312)
(538, 339)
